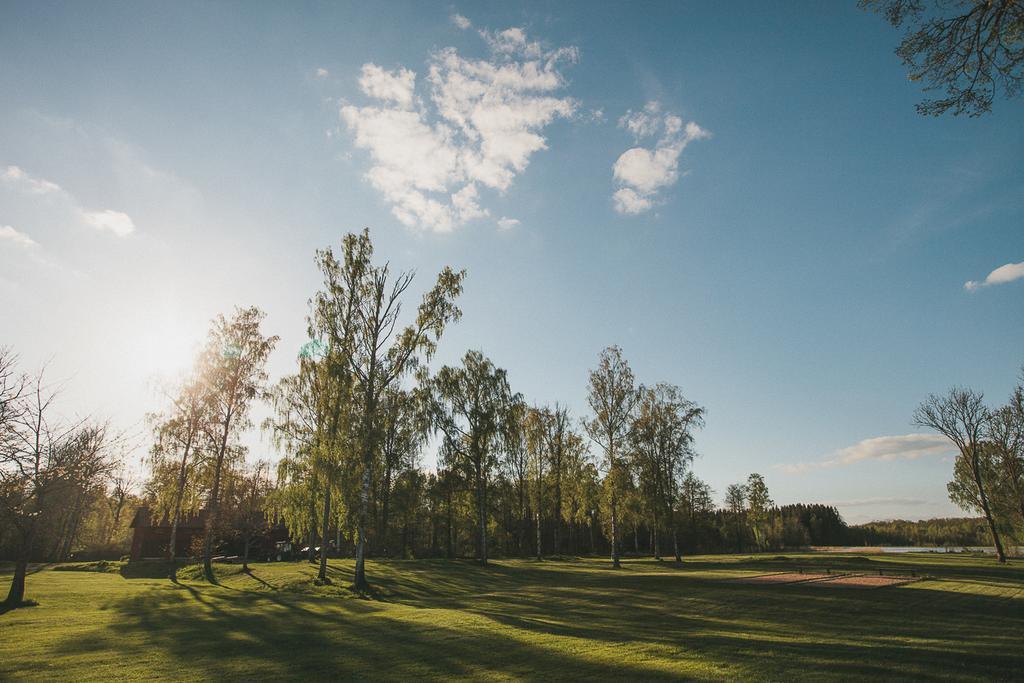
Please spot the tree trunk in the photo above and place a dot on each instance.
(360, 583)
(558, 507)
(675, 536)
(481, 507)
(655, 541)
(615, 530)
(16, 594)
(245, 554)
(72, 531)
(322, 575)
(385, 495)
(538, 536)
(590, 532)
(211, 514)
(172, 550)
(975, 470)
(448, 541)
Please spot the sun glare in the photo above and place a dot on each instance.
(160, 348)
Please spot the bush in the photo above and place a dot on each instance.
(103, 567)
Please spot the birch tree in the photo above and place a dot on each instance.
(232, 372)
(612, 398)
(383, 353)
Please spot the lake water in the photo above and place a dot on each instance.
(911, 549)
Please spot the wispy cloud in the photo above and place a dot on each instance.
(18, 178)
(322, 73)
(871, 502)
(999, 276)
(116, 222)
(880, 448)
(476, 126)
(641, 172)
(461, 21)
(15, 237)
(507, 223)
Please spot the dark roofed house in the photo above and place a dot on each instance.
(150, 538)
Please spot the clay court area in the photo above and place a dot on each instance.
(832, 580)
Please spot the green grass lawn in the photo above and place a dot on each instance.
(525, 619)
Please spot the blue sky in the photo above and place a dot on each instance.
(745, 201)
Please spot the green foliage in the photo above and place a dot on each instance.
(970, 49)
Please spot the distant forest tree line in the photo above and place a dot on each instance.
(351, 424)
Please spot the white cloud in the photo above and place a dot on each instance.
(461, 21)
(391, 86)
(881, 448)
(20, 239)
(507, 223)
(641, 172)
(116, 222)
(480, 123)
(322, 73)
(999, 276)
(18, 178)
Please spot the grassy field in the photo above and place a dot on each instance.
(574, 619)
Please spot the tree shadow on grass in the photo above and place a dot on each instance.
(445, 619)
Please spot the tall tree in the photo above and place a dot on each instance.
(1005, 431)
(759, 504)
(662, 441)
(970, 49)
(177, 450)
(42, 461)
(736, 504)
(232, 371)
(471, 405)
(612, 398)
(516, 463)
(383, 354)
(557, 435)
(249, 516)
(961, 416)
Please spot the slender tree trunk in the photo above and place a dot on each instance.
(245, 554)
(72, 529)
(558, 506)
(448, 541)
(385, 495)
(615, 530)
(523, 522)
(539, 554)
(360, 582)
(655, 541)
(675, 536)
(615, 508)
(311, 535)
(593, 549)
(211, 515)
(322, 575)
(481, 507)
(1000, 554)
(179, 494)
